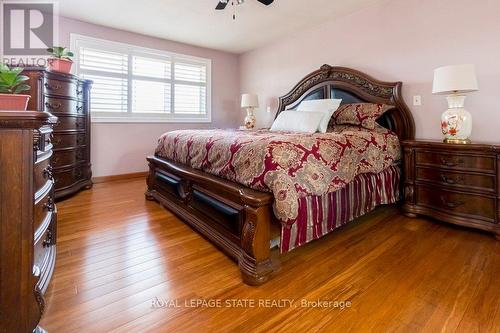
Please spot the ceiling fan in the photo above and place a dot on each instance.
(223, 3)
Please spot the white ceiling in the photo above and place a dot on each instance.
(196, 22)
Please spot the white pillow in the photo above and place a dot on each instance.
(325, 106)
(296, 121)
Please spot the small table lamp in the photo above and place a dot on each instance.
(455, 82)
(250, 102)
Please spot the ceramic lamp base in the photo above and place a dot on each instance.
(456, 122)
(250, 119)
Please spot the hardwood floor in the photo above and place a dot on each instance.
(118, 252)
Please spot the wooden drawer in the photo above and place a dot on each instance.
(69, 140)
(60, 105)
(42, 173)
(455, 203)
(68, 177)
(456, 161)
(68, 157)
(42, 252)
(43, 207)
(455, 179)
(61, 88)
(43, 137)
(66, 122)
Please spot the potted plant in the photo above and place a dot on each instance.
(12, 84)
(61, 59)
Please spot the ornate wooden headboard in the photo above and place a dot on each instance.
(354, 87)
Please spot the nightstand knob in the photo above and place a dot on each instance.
(451, 163)
(451, 181)
(451, 204)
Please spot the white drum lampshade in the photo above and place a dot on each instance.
(455, 82)
(250, 102)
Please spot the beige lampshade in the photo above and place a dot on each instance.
(249, 101)
(455, 79)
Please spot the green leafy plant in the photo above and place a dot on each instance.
(11, 80)
(60, 52)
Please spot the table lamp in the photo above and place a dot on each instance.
(250, 102)
(455, 82)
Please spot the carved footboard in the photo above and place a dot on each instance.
(235, 218)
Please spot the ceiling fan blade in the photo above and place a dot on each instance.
(221, 5)
(266, 2)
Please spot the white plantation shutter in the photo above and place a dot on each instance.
(137, 84)
(150, 96)
(109, 94)
(151, 67)
(109, 71)
(190, 83)
(97, 60)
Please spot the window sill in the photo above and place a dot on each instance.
(151, 120)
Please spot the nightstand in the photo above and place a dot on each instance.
(453, 183)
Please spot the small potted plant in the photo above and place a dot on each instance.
(12, 84)
(61, 59)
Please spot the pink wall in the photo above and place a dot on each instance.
(122, 148)
(394, 41)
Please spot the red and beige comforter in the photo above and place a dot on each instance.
(301, 170)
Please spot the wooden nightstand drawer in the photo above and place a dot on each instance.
(456, 179)
(455, 161)
(454, 183)
(455, 203)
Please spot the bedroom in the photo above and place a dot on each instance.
(147, 204)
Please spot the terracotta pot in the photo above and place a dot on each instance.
(60, 65)
(14, 102)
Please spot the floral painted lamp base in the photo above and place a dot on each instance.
(456, 122)
(250, 119)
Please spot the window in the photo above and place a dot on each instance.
(134, 84)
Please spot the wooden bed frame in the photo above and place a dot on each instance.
(239, 220)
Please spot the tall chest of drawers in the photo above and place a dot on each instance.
(68, 98)
(459, 184)
(28, 218)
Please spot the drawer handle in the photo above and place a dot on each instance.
(451, 181)
(51, 106)
(52, 86)
(79, 108)
(444, 161)
(49, 205)
(79, 91)
(48, 240)
(80, 140)
(451, 204)
(47, 173)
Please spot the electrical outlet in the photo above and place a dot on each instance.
(417, 100)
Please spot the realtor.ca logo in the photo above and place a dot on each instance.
(28, 29)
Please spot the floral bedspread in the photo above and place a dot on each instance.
(290, 165)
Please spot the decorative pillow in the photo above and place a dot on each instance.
(361, 114)
(325, 106)
(296, 121)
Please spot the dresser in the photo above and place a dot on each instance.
(28, 218)
(68, 98)
(454, 183)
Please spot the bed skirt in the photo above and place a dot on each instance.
(319, 215)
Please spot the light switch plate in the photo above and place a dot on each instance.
(417, 100)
